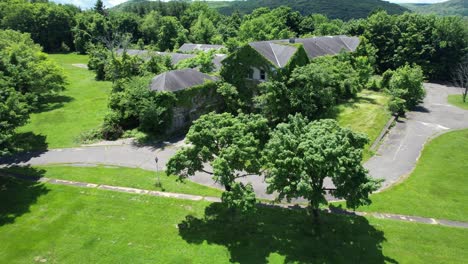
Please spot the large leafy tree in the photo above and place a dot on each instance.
(14, 112)
(300, 155)
(264, 24)
(25, 68)
(25, 75)
(203, 30)
(231, 146)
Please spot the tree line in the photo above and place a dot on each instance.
(435, 43)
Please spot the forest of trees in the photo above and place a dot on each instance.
(436, 44)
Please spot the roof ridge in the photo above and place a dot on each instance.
(276, 57)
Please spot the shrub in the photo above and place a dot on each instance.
(405, 87)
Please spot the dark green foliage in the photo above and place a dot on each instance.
(110, 66)
(434, 43)
(342, 9)
(273, 101)
(231, 101)
(99, 7)
(134, 102)
(264, 24)
(111, 129)
(232, 146)
(49, 24)
(14, 112)
(317, 87)
(165, 32)
(90, 28)
(300, 155)
(24, 67)
(202, 30)
(141, 8)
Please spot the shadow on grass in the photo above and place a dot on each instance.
(27, 145)
(49, 102)
(19, 193)
(289, 233)
(350, 103)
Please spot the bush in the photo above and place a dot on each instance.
(406, 89)
(111, 129)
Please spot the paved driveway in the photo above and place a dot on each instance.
(395, 158)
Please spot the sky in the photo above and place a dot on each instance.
(110, 3)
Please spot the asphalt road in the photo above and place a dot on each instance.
(395, 158)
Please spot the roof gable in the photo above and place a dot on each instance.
(279, 52)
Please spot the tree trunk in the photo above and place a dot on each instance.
(464, 94)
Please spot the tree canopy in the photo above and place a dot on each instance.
(300, 155)
(231, 146)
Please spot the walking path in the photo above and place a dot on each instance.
(395, 158)
(406, 218)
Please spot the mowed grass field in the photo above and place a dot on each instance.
(457, 100)
(61, 224)
(116, 176)
(79, 108)
(437, 188)
(367, 113)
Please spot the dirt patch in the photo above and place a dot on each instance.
(80, 65)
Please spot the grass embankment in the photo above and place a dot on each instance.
(457, 100)
(438, 187)
(367, 113)
(117, 176)
(62, 224)
(79, 108)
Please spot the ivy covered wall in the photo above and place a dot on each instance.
(192, 103)
(236, 68)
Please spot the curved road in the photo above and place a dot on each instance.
(395, 158)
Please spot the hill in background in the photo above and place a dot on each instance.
(342, 9)
(449, 8)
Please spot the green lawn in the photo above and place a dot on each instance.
(367, 114)
(79, 108)
(437, 188)
(118, 176)
(62, 224)
(457, 100)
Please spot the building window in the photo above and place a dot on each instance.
(250, 74)
(262, 75)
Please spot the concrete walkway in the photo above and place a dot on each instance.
(415, 219)
(395, 158)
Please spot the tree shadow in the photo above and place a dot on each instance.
(49, 102)
(26, 146)
(289, 233)
(19, 192)
(350, 103)
(420, 109)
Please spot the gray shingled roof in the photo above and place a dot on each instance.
(190, 47)
(179, 80)
(279, 52)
